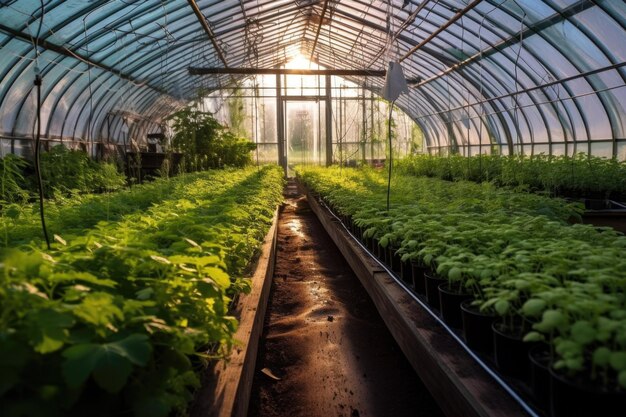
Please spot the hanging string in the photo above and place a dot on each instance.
(38, 82)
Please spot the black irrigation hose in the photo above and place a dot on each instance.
(38, 81)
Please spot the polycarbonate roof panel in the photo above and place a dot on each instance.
(490, 71)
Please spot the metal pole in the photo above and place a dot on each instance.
(329, 122)
(280, 125)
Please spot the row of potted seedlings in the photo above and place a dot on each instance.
(542, 299)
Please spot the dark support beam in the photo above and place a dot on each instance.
(441, 28)
(286, 71)
(208, 30)
(319, 28)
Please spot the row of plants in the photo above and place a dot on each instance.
(122, 314)
(545, 279)
(579, 176)
(64, 172)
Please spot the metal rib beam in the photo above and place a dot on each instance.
(208, 30)
(319, 29)
(286, 71)
(441, 28)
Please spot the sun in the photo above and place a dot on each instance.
(299, 62)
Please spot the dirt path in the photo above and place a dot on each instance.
(324, 338)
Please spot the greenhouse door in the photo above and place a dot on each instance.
(305, 133)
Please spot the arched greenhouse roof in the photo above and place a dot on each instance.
(547, 73)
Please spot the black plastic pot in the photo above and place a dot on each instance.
(572, 397)
(371, 245)
(393, 260)
(450, 300)
(511, 352)
(417, 273)
(539, 357)
(381, 253)
(431, 283)
(477, 328)
(406, 273)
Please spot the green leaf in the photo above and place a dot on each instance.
(455, 274)
(583, 332)
(48, 329)
(533, 307)
(551, 320)
(80, 361)
(136, 348)
(502, 307)
(220, 277)
(601, 356)
(112, 370)
(534, 337)
(618, 361)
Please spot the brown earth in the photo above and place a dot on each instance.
(324, 338)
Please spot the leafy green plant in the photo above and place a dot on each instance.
(121, 315)
(206, 143)
(515, 252)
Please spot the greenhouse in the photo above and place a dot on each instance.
(312, 208)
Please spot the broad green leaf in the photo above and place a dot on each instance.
(48, 329)
(112, 370)
(98, 308)
(220, 277)
(601, 356)
(618, 361)
(136, 348)
(583, 332)
(502, 307)
(80, 361)
(533, 307)
(534, 337)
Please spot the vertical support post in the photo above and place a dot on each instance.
(329, 121)
(280, 125)
(363, 126)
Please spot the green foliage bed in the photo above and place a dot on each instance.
(114, 319)
(577, 176)
(516, 253)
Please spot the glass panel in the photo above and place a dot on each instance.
(305, 133)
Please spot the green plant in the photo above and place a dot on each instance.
(206, 143)
(120, 316)
(515, 252)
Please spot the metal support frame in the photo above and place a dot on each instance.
(319, 28)
(441, 28)
(287, 71)
(280, 125)
(329, 121)
(205, 25)
(62, 50)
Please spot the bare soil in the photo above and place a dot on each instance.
(324, 338)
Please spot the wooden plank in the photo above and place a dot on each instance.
(227, 385)
(460, 386)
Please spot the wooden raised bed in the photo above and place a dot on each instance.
(225, 391)
(459, 385)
